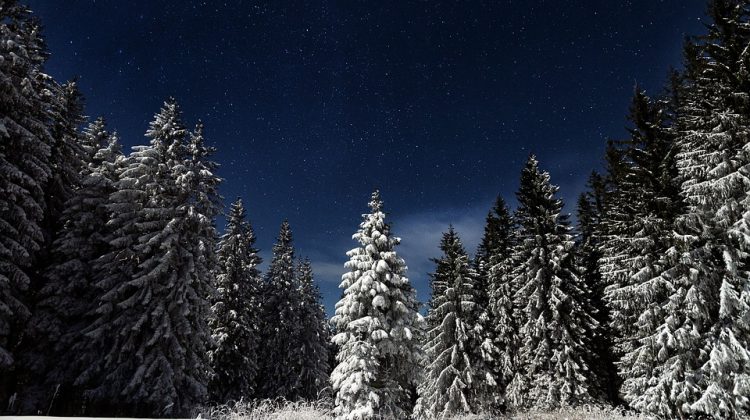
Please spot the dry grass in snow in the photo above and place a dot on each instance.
(322, 410)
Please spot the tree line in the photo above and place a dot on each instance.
(644, 303)
(117, 296)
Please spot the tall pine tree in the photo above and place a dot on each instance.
(502, 326)
(314, 336)
(152, 327)
(637, 293)
(25, 142)
(281, 355)
(495, 242)
(701, 344)
(454, 381)
(591, 211)
(66, 300)
(552, 368)
(236, 312)
(67, 155)
(378, 327)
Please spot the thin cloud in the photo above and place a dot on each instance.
(420, 239)
(328, 271)
(420, 235)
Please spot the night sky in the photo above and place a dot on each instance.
(312, 105)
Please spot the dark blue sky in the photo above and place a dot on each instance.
(314, 104)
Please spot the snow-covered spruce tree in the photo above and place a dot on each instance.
(493, 248)
(236, 312)
(67, 298)
(280, 352)
(495, 241)
(588, 254)
(151, 331)
(499, 326)
(24, 169)
(377, 326)
(648, 198)
(314, 336)
(455, 380)
(552, 368)
(67, 158)
(702, 344)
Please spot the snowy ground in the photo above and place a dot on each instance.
(316, 411)
(321, 411)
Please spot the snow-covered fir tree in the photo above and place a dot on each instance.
(501, 326)
(494, 242)
(552, 369)
(24, 169)
(493, 248)
(644, 205)
(236, 312)
(591, 211)
(615, 231)
(151, 331)
(67, 157)
(455, 381)
(701, 344)
(66, 300)
(314, 336)
(280, 352)
(377, 326)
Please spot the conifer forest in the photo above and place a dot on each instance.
(131, 287)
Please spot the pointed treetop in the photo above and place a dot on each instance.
(451, 243)
(532, 161)
(500, 208)
(167, 126)
(285, 235)
(376, 204)
(236, 212)
(73, 100)
(532, 173)
(95, 135)
(497, 232)
(536, 199)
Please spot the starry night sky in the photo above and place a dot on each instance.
(312, 105)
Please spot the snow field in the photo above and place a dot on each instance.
(322, 410)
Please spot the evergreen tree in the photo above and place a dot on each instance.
(637, 293)
(236, 311)
(151, 331)
(67, 157)
(281, 355)
(65, 301)
(701, 344)
(591, 212)
(453, 383)
(378, 327)
(552, 369)
(24, 170)
(500, 351)
(495, 241)
(314, 337)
